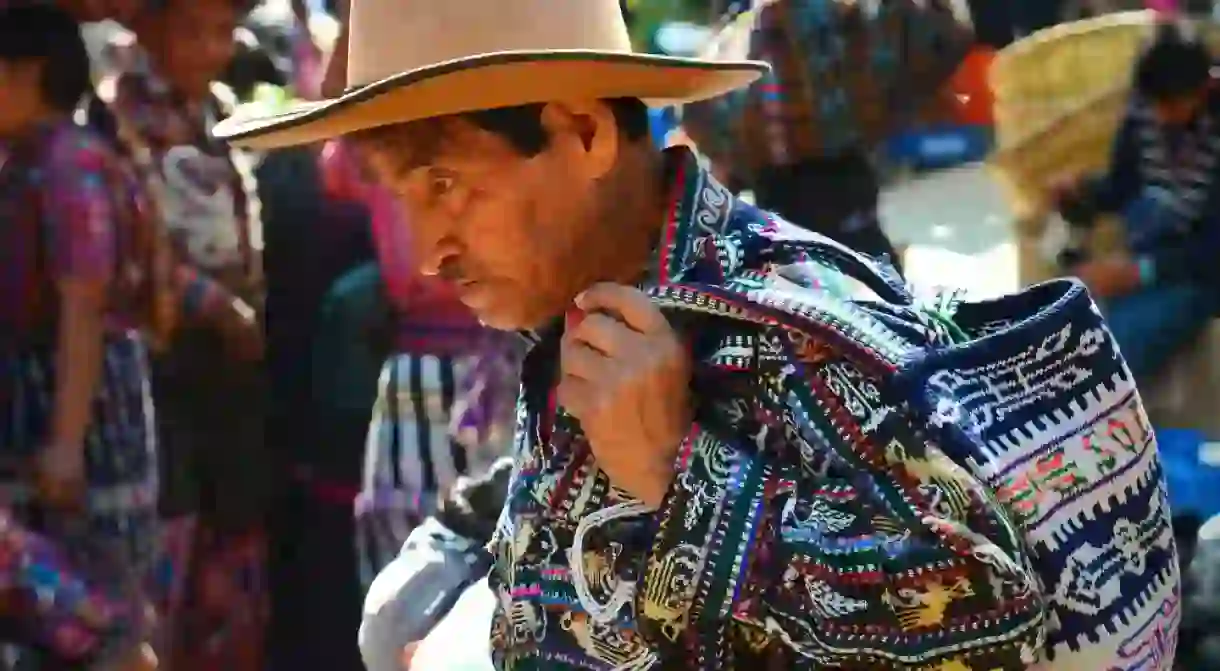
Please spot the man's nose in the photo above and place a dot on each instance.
(439, 259)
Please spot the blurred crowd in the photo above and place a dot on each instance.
(261, 304)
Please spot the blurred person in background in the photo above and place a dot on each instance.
(77, 441)
(845, 74)
(210, 385)
(443, 557)
(252, 65)
(1164, 182)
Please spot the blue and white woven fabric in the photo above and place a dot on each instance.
(1060, 436)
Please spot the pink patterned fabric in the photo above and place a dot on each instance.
(433, 319)
(44, 595)
(77, 208)
(74, 213)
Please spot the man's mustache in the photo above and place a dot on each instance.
(452, 271)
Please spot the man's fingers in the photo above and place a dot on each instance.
(606, 334)
(577, 396)
(577, 359)
(627, 302)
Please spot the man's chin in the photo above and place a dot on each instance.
(500, 320)
(510, 320)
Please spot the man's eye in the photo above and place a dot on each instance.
(440, 184)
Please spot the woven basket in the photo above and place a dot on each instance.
(1059, 96)
(1058, 70)
(1073, 142)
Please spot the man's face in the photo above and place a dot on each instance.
(1179, 110)
(516, 234)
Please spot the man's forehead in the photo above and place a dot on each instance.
(406, 146)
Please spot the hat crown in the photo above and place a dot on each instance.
(388, 37)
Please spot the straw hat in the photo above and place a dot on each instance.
(417, 59)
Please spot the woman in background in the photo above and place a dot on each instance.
(79, 279)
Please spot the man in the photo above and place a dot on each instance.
(721, 461)
(1163, 180)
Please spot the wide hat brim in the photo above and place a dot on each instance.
(488, 81)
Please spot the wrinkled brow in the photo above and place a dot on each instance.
(402, 147)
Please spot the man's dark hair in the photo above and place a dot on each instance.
(522, 126)
(1175, 63)
(41, 32)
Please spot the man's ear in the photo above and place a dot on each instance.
(586, 129)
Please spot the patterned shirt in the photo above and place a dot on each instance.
(58, 607)
(74, 211)
(843, 73)
(821, 516)
(208, 202)
(1163, 180)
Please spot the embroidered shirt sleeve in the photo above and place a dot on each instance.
(77, 209)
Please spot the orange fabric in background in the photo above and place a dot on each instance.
(970, 89)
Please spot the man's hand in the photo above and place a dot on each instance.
(1109, 277)
(626, 376)
(60, 476)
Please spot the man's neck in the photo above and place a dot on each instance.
(637, 217)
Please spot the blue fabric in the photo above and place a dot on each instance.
(661, 120)
(1152, 325)
(1148, 219)
(1190, 480)
(1051, 390)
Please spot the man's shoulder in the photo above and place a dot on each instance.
(779, 282)
(806, 263)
